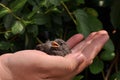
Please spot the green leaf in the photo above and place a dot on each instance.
(5, 45)
(33, 30)
(29, 41)
(82, 22)
(56, 10)
(40, 19)
(91, 11)
(3, 12)
(8, 21)
(79, 77)
(65, 0)
(8, 35)
(87, 23)
(55, 2)
(107, 55)
(115, 14)
(34, 11)
(97, 66)
(46, 3)
(115, 76)
(32, 2)
(17, 4)
(17, 28)
(109, 46)
(80, 1)
(94, 23)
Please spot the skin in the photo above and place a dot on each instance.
(37, 65)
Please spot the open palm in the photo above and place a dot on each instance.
(37, 65)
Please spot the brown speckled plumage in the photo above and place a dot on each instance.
(56, 47)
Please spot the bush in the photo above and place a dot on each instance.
(25, 23)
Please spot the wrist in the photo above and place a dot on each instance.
(5, 73)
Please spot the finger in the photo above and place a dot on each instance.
(81, 45)
(96, 44)
(74, 40)
(92, 49)
(60, 65)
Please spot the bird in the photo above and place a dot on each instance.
(57, 47)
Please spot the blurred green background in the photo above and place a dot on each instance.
(26, 23)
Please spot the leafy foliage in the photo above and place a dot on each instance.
(17, 28)
(25, 23)
(115, 14)
(97, 66)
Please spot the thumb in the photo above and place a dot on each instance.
(75, 59)
(77, 62)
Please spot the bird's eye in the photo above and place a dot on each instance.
(54, 44)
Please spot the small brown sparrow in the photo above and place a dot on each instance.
(56, 47)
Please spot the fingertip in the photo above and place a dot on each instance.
(104, 33)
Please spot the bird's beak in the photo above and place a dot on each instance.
(54, 44)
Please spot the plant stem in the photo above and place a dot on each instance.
(4, 32)
(117, 60)
(103, 75)
(10, 11)
(68, 11)
(39, 41)
(110, 68)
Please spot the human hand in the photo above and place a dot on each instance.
(37, 65)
